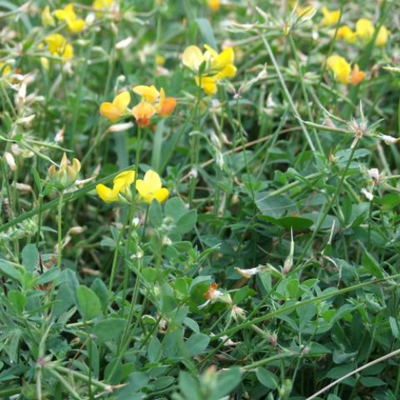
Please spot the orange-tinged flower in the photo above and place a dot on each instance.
(214, 5)
(212, 292)
(356, 76)
(117, 109)
(148, 93)
(340, 67)
(143, 112)
(330, 17)
(166, 105)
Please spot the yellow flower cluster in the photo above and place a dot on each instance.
(67, 15)
(209, 66)
(152, 102)
(59, 47)
(148, 189)
(343, 72)
(364, 32)
(330, 17)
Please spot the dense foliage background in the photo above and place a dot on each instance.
(283, 191)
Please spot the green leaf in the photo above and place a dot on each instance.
(30, 257)
(175, 208)
(267, 378)
(89, 304)
(154, 349)
(390, 201)
(155, 214)
(9, 270)
(370, 264)
(187, 222)
(370, 382)
(109, 329)
(227, 381)
(100, 288)
(207, 32)
(189, 386)
(197, 344)
(18, 300)
(49, 276)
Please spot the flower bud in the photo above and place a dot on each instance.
(66, 175)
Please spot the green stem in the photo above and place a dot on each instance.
(287, 94)
(327, 208)
(59, 224)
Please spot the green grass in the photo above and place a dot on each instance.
(283, 191)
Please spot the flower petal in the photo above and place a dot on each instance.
(109, 111)
(192, 57)
(143, 190)
(148, 93)
(122, 101)
(152, 180)
(161, 195)
(106, 194)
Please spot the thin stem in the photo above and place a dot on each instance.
(356, 371)
(59, 223)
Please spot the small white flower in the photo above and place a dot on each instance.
(120, 127)
(374, 174)
(248, 273)
(367, 194)
(389, 139)
(9, 159)
(123, 44)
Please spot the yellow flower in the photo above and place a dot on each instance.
(102, 4)
(330, 17)
(67, 174)
(217, 66)
(356, 76)
(383, 36)
(150, 188)
(214, 5)
(340, 67)
(5, 68)
(59, 47)
(193, 57)
(364, 29)
(67, 14)
(47, 18)
(117, 109)
(143, 112)
(221, 63)
(122, 183)
(45, 62)
(347, 34)
(160, 60)
(306, 12)
(148, 93)
(166, 105)
(207, 83)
